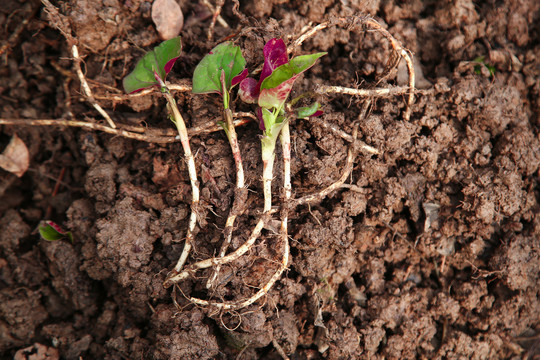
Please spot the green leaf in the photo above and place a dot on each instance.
(478, 69)
(166, 54)
(267, 119)
(50, 231)
(491, 69)
(307, 111)
(226, 58)
(294, 67)
(156, 62)
(276, 88)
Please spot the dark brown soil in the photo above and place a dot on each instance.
(433, 252)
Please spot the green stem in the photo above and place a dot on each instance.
(226, 94)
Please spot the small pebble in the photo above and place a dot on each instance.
(168, 17)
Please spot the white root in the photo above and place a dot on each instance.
(285, 137)
(159, 136)
(287, 188)
(204, 264)
(86, 88)
(268, 173)
(354, 21)
(182, 132)
(349, 165)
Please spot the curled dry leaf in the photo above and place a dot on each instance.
(15, 157)
(168, 17)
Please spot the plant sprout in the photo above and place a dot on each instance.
(51, 231)
(271, 93)
(483, 67)
(152, 70)
(218, 72)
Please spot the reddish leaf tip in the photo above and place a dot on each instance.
(55, 226)
(168, 66)
(261, 119)
(275, 55)
(239, 78)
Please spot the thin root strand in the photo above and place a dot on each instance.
(355, 22)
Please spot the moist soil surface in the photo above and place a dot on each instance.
(431, 249)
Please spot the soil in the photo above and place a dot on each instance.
(431, 251)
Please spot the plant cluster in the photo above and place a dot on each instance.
(219, 72)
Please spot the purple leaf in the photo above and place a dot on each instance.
(248, 90)
(275, 55)
(261, 119)
(169, 65)
(238, 78)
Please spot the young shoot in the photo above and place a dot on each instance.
(51, 231)
(270, 93)
(218, 72)
(152, 70)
